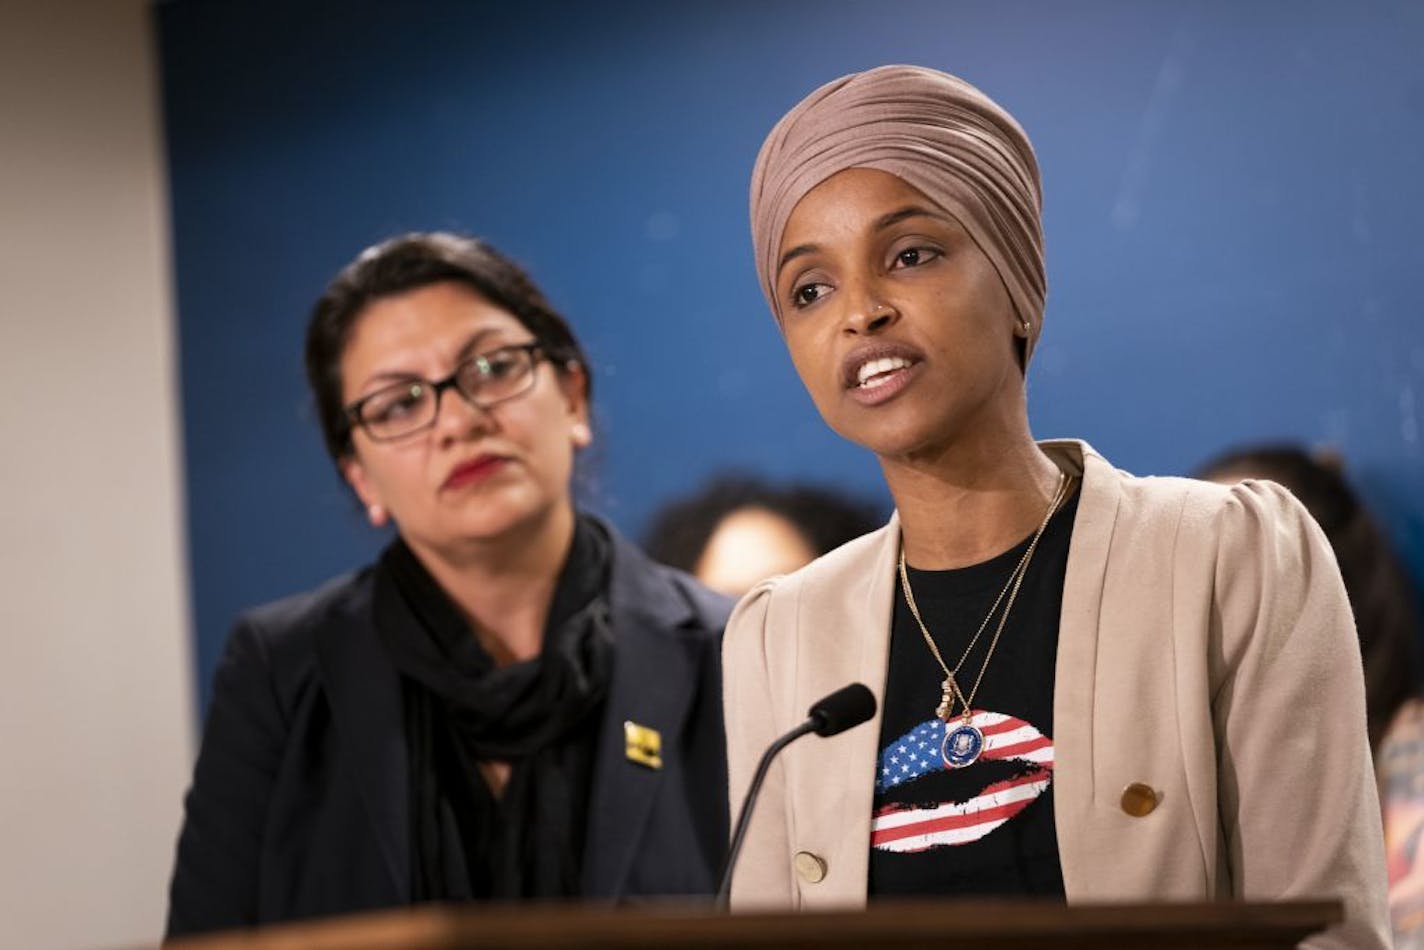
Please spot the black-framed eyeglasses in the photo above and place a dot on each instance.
(411, 405)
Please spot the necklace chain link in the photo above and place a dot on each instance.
(951, 690)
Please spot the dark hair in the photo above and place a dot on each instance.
(679, 532)
(1381, 594)
(410, 262)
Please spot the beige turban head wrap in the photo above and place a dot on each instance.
(937, 133)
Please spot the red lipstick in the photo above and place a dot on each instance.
(474, 471)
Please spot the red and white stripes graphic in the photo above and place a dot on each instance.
(905, 828)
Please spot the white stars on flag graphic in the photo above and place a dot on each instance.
(917, 754)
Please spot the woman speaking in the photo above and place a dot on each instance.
(1092, 686)
(512, 702)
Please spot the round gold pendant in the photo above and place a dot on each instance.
(962, 746)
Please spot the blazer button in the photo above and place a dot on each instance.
(1139, 800)
(811, 867)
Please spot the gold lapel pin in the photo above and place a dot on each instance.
(642, 745)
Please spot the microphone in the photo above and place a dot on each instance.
(847, 707)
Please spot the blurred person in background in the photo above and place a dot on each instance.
(1091, 686)
(513, 701)
(1384, 602)
(738, 530)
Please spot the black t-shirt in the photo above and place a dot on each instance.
(985, 828)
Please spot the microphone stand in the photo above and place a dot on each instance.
(744, 820)
(844, 709)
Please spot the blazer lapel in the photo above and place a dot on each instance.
(843, 634)
(650, 676)
(365, 696)
(1077, 662)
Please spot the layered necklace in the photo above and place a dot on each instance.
(963, 743)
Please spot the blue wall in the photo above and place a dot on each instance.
(1232, 203)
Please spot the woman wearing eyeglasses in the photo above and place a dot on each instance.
(1093, 687)
(512, 702)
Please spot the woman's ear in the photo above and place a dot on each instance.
(1023, 332)
(573, 382)
(355, 474)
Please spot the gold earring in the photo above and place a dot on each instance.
(1025, 327)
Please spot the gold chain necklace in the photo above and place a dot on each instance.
(963, 744)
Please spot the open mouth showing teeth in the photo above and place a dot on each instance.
(875, 372)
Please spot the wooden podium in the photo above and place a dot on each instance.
(929, 924)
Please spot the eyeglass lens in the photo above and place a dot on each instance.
(411, 405)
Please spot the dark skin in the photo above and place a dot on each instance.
(908, 344)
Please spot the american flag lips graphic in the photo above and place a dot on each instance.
(917, 754)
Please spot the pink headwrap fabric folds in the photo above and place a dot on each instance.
(937, 133)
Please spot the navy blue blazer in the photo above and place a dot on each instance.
(299, 803)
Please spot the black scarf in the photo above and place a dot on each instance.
(539, 715)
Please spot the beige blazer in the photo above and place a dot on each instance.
(1206, 650)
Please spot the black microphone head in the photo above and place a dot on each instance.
(846, 707)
